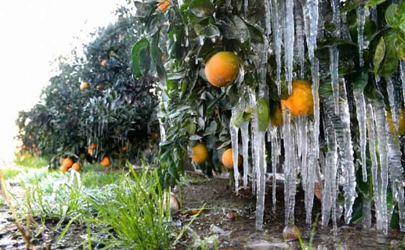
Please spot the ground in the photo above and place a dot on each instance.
(227, 218)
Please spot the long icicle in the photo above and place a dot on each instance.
(361, 118)
(382, 138)
(278, 34)
(289, 39)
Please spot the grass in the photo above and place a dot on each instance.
(9, 173)
(126, 210)
(30, 161)
(135, 211)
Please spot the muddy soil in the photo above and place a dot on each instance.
(235, 215)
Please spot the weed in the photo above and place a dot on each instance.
(132, 213)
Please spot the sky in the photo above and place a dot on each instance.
(34, 33)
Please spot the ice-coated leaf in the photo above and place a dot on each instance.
(141, 58)
(202, 8)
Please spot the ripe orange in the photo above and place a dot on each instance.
(163, 5)
(105, 162)
(199, 153)
(401, 127)
(300, 102)
(277, 118)
(124, 148)
(64, 169)
(93, 145)
(67, 163)
(90, 151)
(222, 68)
(76, 166)
(103, 62)
(84, 85)
(227, 159)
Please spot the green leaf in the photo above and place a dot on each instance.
(379, 54)
(391, 16)
(371, 3)
(141, 58)
(202, 8)
(390, 62)
(256, 35)
(360, 81)
(240, 117)
(156, 54)
(263, 113)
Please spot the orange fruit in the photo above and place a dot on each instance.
(277, 117)
(24, 147)
(124, 148)
(67, 162)
(76, 166)
(90, 151)
(222, 68)
(227, 159)
(163, 4)
(93, 145)
(64, 169)
(84, 85)
(401, 127)
(105, 162)
(103, 62)
(300, 102)
(199, 153)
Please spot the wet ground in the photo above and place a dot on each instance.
(227, 217)
(235, 215)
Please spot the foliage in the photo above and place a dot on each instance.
(116, 111)
(133, 213)
(191, 110)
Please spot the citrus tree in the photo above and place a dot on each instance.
(220, 66)
(93, 107)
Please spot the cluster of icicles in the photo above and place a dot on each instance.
(291, 25)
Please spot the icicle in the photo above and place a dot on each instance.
(245, 151)
(289, 39)
(361, 19)
(290, 163)
(391, 99)
(303, 144)
(330, 186)
(260, 163)
(402, 67)
(361, 118)
(373, 155)
(310, 176)
(267, 17)
(311, 16)
(336, 16)
(382, 134)
(275, 153)
(341, 125)
(252, 101)
(334, 72)
(396, 173)
(315, 94)
(278, 34)
(235, 152)
(300, 42)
